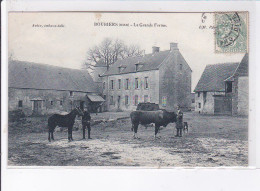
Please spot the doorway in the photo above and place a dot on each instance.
(37, 107)
(81, 105)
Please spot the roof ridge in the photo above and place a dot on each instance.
(212, 78)
(44, 65)
(43, 76)
(222, 63)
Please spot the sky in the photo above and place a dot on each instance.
(66, 46)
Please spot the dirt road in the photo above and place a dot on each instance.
(211, 141)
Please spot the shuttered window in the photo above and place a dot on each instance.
(20, 103)
(126, 100)
(127, 84)
(146, 86)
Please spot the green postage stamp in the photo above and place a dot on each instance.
(231, 32)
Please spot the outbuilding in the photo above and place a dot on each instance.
(39, 89)
(223, 89)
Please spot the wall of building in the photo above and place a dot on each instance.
(51, 100)
(193, 101)
(175, 82)
(240, 89)
(152, 91)
(206, 102)
(243, 96)
(98, 80)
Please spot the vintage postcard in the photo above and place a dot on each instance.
(128, 89)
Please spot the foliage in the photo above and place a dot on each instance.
(109, 51)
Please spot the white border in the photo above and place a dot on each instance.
(134, 178)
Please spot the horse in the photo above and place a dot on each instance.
(63, 121)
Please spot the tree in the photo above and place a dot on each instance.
(109, 51)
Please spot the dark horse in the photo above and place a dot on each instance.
(63, 121)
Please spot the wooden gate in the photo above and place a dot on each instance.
(222, 105)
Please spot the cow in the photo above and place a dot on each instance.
(159, 118)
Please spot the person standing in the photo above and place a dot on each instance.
(179, 123)
(86, 123)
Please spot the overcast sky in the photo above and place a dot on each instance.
(67, 46)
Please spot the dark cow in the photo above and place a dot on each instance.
(159, 118)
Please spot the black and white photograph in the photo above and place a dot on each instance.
(128, 89)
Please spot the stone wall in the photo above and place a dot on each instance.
(206, 100)
(175, 82)
(243, 96)
(50, 101)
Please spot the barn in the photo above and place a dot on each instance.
(162, 77)
(223, 89)
(39, 89)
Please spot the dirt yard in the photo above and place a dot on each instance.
(211, 141)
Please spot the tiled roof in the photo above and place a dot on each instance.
(41, 76)
(100, 63)
(242, 69)
(214, 75)
(95, 98)
(148, 62)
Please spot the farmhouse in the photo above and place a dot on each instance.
(223, 89)
(42, 89)
(162, 77)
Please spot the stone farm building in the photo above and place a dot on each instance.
(43, 89)
(162, 77)
(223, 89)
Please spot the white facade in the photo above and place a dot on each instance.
(127, 98)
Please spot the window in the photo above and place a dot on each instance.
(20, 103)
(126, 100)
(104, 85)
(199, 105)
(146, 83)
(136, 83)
(180, 66)
(52, 102)
(127, 84)
(111, 84)
(136, 100)
(61, 103)
(136, 67)
(119, 84)
(164, 101)
(71, 93)
(145, 98)
(228, 87)
(198, 94)
(111, 100)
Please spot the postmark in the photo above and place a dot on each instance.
(231, 32)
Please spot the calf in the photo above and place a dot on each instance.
(159, 118)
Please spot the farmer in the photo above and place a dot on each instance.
(179, 123)
(86, 122)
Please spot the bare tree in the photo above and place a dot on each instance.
(109, 51)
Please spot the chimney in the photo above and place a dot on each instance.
(173, 46)
(156, 49)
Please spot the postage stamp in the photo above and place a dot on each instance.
(231, 32)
